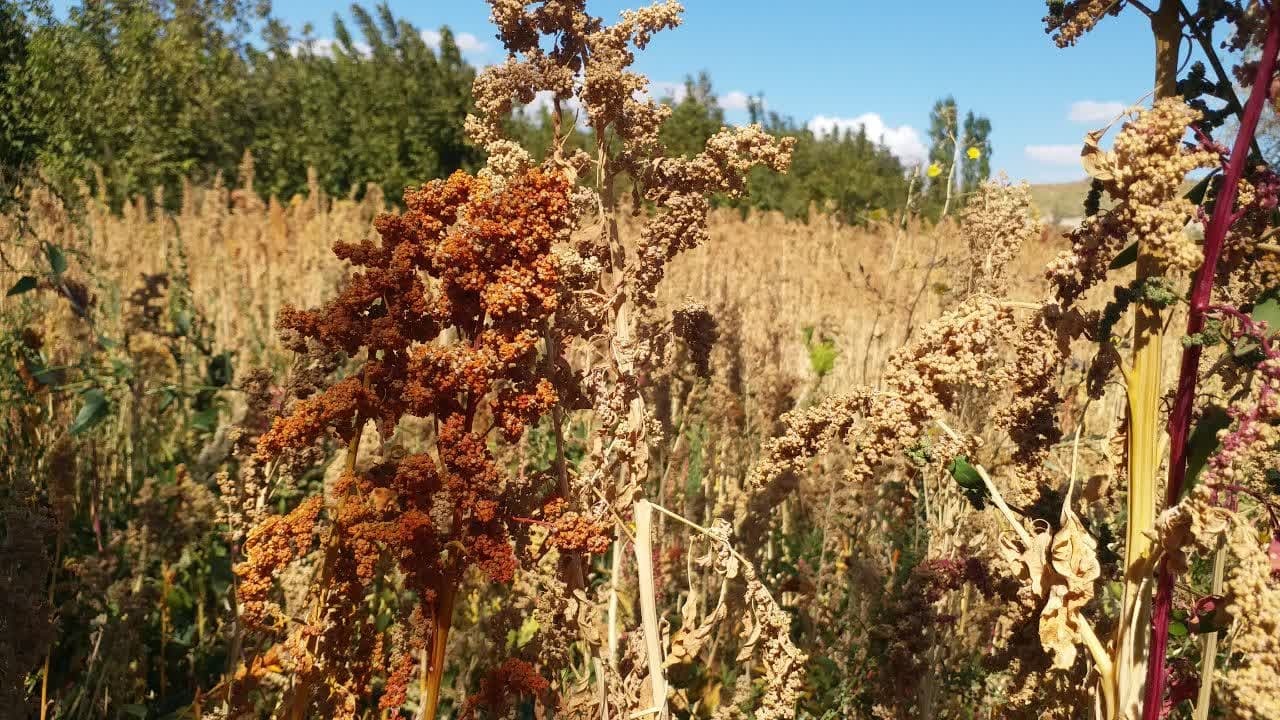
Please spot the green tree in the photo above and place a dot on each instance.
(943, 134)
(17, 137)
(152, 91)
(845, 173)
(387, 109)
(694, 118)
(157, 91)
(975, 148)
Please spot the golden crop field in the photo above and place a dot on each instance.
(580, 429)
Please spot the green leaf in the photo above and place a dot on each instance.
(178, 598)
(1177, 629)
(1267, 308)
(219, 586)
(1127, 256)
(45, 375)
(206, 420)
(220, 370)
(168, 395)
(965, 474)
(822, 357)
(26, 283)
(1197, 193)
(1115, 590)
(807, 332)
(1272, 476)
(1204, 442)
(121, 369)
(93, 411)
(182, 322)
(183, 637)
(57, 261)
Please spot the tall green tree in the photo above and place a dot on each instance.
(17, 136)
(386, 109)
(975, 149)
(154, 91)
(151, 91)
(944, 132)
(695, 117)
(845, 173)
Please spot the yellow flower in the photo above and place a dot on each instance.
(974, 153)
(934, 170)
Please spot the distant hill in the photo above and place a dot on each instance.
(1064, 202)
(1060, 201)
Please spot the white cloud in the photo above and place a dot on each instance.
(1054, 154)
(468, 43)
(903, 140)
(734, 100)
(1087, 112)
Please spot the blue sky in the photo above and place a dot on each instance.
(841, 62)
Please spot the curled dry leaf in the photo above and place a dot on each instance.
(1099, 163)
(689, 639)
(1029, 565)
(1075, 567)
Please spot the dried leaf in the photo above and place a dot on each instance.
(751, 635)
(1059, 629)
(1099, 163)
(1074, 559)
(1075, 554)
(1029, 565)
(689, 640)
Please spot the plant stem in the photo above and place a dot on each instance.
(1144, 462)
(1201, 293)
(1143, 391)
(648, 607)
(48, 655)
(996, 497)
(443, 618)
(1209, 648)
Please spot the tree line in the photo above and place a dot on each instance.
(150, 92)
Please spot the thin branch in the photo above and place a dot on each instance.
(996, 497)
(1224, 80)
(1141, 7)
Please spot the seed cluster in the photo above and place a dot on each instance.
(446, 310)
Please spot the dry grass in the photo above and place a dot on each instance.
(780, 290)
(866, 289)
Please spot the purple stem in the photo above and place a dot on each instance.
(1180, 417)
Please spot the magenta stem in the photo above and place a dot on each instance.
(1188, 376)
